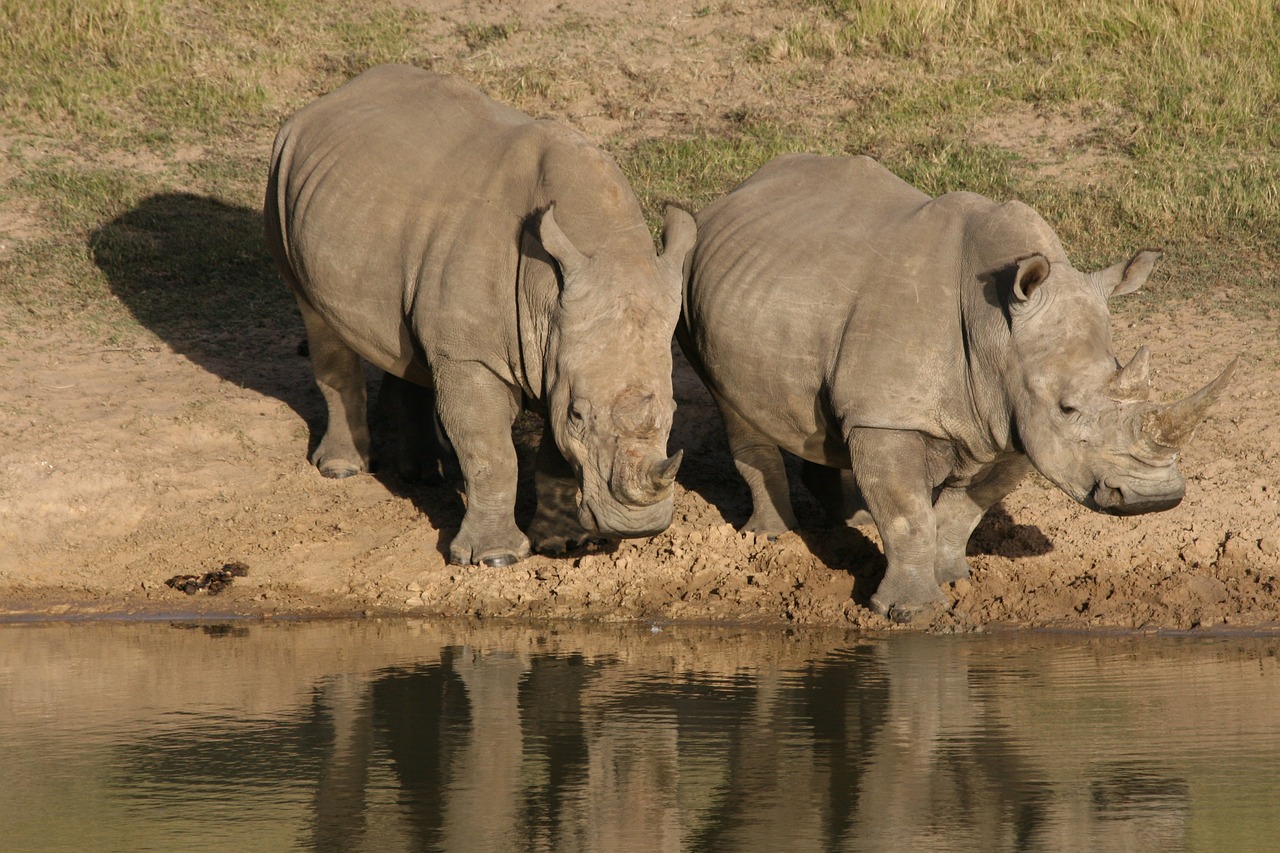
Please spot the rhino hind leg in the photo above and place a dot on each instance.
(478, 410)
(345, 449)
(412, 410)
(760, 463)
(958, 510)
(893, 476)
(555, 529)
(837, 492)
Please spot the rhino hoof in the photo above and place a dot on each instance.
(499, 560)
(899, 613)
(340, 473)
(902, 615)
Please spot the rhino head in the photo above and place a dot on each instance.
(608, 375)
(1085, 421)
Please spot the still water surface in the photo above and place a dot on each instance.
(419, 736)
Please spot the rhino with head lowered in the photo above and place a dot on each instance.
(937, 347)
(491, 261)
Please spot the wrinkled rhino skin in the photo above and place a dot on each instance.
(491, 261)
(938, 348)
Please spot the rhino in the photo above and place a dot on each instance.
(937, 348)
(495, 262)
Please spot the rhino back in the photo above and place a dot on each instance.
(403, 196)
(826, 285)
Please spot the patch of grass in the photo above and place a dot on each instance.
(129, 72)
(693, 170)
(478, 36)
(1185, 95)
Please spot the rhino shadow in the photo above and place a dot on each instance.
(998, 534)
(196, 272)
(707, 469)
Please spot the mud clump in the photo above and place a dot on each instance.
(211, 582)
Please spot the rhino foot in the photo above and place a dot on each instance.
(465, 551)
(340, 471)
(903, 609)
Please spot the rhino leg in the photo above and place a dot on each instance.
(892, 474)
(555, 528)
(478, 410)
(345, 448)
(837, 492)
(760, 463)
(412, 408)
(958, 511)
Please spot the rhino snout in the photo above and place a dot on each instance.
(617, 522)
(1123, 499)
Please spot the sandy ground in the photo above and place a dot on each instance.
(123, 467)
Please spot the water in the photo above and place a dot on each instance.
(418, 736)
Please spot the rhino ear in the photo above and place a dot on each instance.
(679, 232)
(558, 244)
(1031, 273)
(1127, 276)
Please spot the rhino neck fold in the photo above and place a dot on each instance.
(987, 341)
(537, 297)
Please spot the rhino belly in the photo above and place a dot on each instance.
(766, 360)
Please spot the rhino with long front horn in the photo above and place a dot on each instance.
(491, 262)
(938, 348)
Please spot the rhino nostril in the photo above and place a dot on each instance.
(1107, 497)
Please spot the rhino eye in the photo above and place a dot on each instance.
(1067, 409)
(577, 414)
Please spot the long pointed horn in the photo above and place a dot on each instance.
(1133, 381)
(1171, 426)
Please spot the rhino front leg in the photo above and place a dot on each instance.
(891, 472)
(555, 528)
(759, 462)
(346, 447)
(478, 410)
(958, 511)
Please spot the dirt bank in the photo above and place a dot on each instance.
(124, 468)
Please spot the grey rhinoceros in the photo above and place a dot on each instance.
(937, 347)
(465, 247)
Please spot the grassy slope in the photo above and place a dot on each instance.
(134, 132)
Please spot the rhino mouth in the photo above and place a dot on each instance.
(650, 523)
(1121, 500)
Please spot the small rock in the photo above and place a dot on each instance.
(962, 587)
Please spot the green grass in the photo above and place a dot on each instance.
(133, 133)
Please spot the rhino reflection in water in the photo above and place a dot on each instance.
(935, 746)
(462, 246)
(938, 347)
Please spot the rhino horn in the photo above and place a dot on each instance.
(1171, 426)
(644, 483)
(1133, 381)
(664, 473)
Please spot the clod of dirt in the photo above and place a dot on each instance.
(212, 582)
